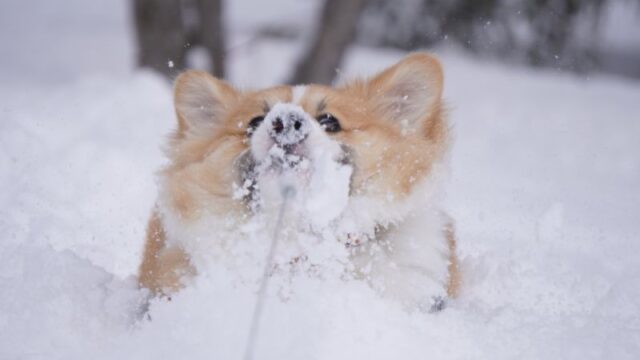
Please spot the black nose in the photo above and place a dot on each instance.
(289, 128)
(278, 126)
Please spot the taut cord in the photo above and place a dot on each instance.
(287, 193)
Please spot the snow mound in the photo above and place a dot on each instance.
(546, 219)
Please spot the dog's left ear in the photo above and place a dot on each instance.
(409, 92)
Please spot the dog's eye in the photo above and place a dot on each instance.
(329, 123)
(253, 124)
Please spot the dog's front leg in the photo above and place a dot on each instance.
(163, 267)
(412, 263)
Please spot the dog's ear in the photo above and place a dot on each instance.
(201, 101)
(409, 92)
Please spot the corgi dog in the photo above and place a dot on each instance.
(364, 160)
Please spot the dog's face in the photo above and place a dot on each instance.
(383, 135)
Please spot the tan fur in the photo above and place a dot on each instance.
(389, 159)
(162, 267)
(455, 279)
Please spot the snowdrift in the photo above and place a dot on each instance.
(544, 187)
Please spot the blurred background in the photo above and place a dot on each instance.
(580, 36)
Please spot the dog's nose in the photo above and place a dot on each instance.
(288, 124)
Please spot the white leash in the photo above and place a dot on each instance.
(287, 193)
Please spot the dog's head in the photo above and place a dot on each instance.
(375, 139)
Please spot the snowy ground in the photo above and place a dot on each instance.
(545, 187)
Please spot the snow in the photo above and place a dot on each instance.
(287, 114)
(544, 187)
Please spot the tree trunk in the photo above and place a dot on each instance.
(160, 34)
(212, 35)
(335, 32)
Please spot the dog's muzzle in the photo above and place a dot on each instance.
(287, 142)
(288, 125)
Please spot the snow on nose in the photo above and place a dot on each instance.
(288, 124)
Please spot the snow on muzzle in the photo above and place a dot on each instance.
(285, 132)
(288, 125)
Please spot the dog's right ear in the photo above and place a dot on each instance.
(201, 101)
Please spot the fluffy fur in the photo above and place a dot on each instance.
(391, 146)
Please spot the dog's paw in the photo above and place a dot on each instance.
(433, 305)
(415, 291)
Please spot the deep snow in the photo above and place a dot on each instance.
(544, 185)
